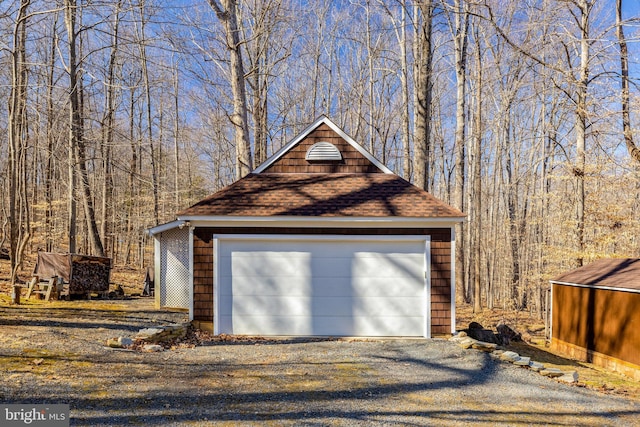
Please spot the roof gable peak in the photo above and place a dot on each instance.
(312, 127)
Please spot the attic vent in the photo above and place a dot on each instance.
(323, 151)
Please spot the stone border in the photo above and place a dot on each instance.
(466, 342)
(149, 339)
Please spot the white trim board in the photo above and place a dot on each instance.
(453, 280)
(321, 222)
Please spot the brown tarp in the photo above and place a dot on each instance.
(53, 264)
(83, 273)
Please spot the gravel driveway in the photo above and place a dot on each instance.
(56, 355)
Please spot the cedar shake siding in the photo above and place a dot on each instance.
(441, 301)
(294, 160)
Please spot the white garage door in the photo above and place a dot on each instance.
(324, 286)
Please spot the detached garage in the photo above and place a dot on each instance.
(320, 240)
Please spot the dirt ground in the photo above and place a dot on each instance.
(55, 353)
(131, 280)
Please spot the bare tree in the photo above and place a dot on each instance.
(19, 216)
(76, 136)
(226, 11)
(108, 124)
(627, 131)
(423, 78)
(400, 30)
(460, 29)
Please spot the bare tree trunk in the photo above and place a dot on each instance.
(422, 140)
(107, 130)
(476, 165)
(153, 158)
(50, 140)
(76, 133)
(634, 152)
(404, 81)
(226, 12)
(176, 136)
(460, 30)
(370, 57)
(19, 216)
(581, 125)
(133, 168)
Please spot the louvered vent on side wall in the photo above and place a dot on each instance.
(323, 151)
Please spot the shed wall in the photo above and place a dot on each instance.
(440, 266)
(598, 320)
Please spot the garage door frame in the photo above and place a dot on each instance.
(218, 239)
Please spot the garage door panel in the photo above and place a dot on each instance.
(268, 325)
(388, 287)
(352, 326)
(391, 307)
(271, 305)
(389, 266)
(387, 326)
(247, 286)
(259, 264)
(323, 287)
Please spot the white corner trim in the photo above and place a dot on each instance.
(453, 280)
(322, 119)
(216, 286)
(191, 229)
(158, 280)
(550, 315)
(427, 286)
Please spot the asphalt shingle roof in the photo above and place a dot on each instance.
(607, 272)
(322, 195)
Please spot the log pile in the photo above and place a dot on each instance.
(89, 275)
(84, 274)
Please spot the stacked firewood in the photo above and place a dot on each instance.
(89, 276)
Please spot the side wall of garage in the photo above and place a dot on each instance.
(441, 298)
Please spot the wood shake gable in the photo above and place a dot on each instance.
(293, 160)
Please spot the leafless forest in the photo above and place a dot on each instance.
(116, 114)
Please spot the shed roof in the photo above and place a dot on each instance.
(606, 273)
(323, 195)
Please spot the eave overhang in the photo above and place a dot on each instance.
(320, 222)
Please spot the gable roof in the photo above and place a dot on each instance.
(312, 127)
(322, 195)
(292, 188)
(608, 273)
